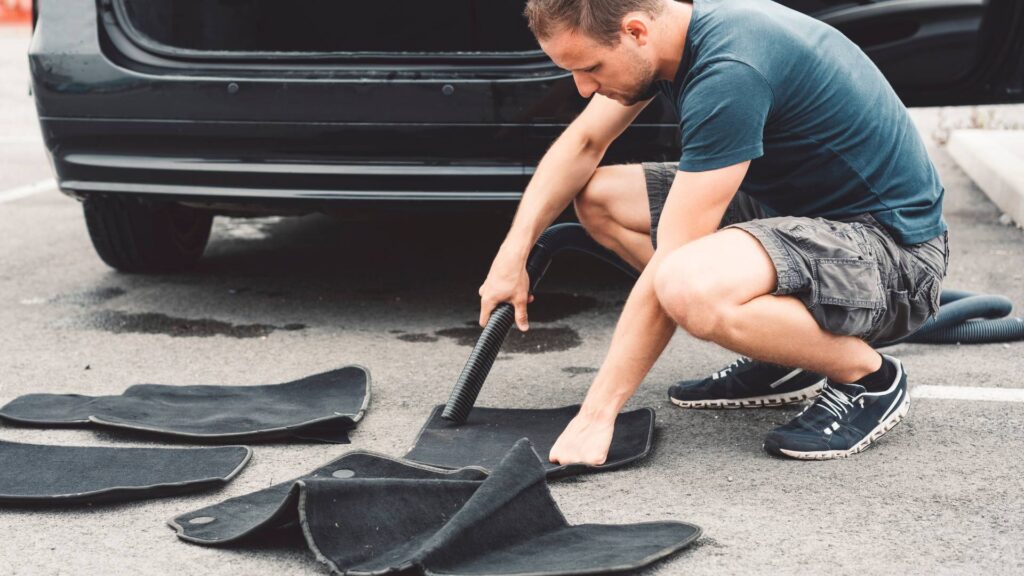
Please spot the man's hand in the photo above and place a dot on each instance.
(584, 441)
(506, 282)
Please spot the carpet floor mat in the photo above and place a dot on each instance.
(38, 474)
(276, 508)
(459, 523)
(322, 407)
(488, 432)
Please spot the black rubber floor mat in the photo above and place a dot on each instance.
(488, 432)
(506, 524)
(276, 507)
(322, 407)
(51, 475)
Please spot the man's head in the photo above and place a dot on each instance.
(605, 43)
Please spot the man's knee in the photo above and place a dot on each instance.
(690, 295)
(591, 204)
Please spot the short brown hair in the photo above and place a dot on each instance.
(599, 19)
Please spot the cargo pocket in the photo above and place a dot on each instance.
(920, 276)
(924, 303)
(931, 293)
(907, 312)
(846, 295)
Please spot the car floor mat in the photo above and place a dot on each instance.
(39, 474)
(506, 524)
(276, 507)
(322, 407)
(488, 432)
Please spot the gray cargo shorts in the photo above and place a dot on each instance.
(854, 278)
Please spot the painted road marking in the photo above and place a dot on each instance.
(27, 190)
(968, 393)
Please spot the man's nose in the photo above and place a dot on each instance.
(586, 86)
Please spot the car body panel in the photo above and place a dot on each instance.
(368, 127)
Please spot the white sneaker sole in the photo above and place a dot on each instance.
(793, 397)
(886, 425)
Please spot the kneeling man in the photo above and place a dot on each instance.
(802, 223)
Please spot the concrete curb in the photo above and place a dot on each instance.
(994, 159)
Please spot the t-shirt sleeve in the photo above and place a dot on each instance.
(722, 114)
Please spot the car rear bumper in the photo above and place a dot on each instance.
(236, 163)
(366, 132)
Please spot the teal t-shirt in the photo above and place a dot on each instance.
(826, 134)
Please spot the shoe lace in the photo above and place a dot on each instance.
(835, 401)
(735, 364)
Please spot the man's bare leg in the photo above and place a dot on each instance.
(613, 208)
(718, 288)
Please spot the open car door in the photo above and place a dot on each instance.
(936, 52)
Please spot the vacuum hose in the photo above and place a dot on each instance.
(557, 238)
(963, 317)
(968, 318)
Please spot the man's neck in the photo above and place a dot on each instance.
(676, 25)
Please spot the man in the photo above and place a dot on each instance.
(835, 241)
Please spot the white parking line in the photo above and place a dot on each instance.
(27, 190)
(968, 393)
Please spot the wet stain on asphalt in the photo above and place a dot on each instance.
(416, 337)
(153, 323)
(91, 297)
(577, 370)
(533, 341)
(553, 306)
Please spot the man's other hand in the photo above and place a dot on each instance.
(584, 441)
(507, 281)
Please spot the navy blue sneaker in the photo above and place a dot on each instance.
(747, 383)
(844, 420)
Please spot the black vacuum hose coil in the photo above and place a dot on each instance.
(968, 318)
(963, 317)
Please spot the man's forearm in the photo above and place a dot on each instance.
(642, 333)
(561, 174)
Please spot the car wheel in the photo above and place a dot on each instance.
(136, 235)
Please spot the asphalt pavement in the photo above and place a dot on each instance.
(943, 493)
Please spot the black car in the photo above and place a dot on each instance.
(159, 114)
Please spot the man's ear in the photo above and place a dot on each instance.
(635, 28)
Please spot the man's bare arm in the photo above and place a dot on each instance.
(694, 208)
(561, 174)
(567, 166)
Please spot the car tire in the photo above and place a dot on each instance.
(136, 235)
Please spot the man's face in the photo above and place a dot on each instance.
(621, 72)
